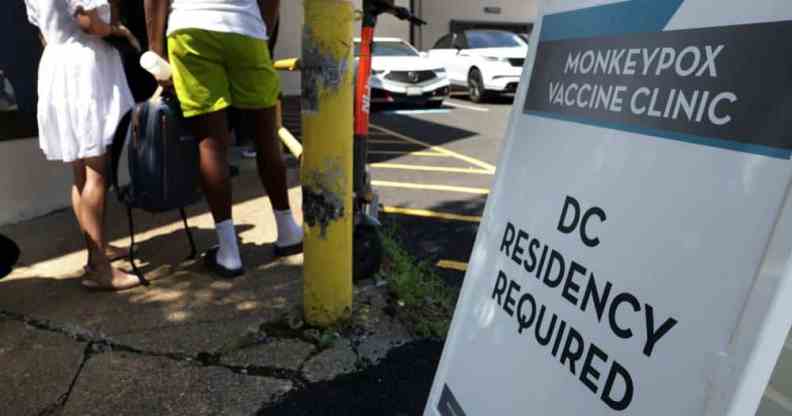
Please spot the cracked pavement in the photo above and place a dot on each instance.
(187, 344)
(56, 368)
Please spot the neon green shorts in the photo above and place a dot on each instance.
(214, 70)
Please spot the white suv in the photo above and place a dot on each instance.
(400, 74)
(486, 62)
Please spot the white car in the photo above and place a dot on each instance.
(400, 74)
(486, 62)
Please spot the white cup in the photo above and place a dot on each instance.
(156, 66)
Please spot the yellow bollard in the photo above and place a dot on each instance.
(327, 97)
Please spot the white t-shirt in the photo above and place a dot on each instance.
(228, 16)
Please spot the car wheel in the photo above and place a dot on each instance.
(476, 86)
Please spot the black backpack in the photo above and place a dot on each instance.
(163, 164)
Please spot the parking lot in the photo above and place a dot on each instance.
(433, 170)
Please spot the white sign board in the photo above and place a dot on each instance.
(634, 253)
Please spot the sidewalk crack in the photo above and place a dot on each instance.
(64, 398)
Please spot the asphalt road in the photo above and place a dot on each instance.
(433, 170)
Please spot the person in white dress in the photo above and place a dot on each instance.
(82, 96)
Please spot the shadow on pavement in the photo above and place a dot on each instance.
(57, 235)
(432, 133)
(398, 386)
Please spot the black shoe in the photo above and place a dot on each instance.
(210, 260)
(288, 250)
(9, 255)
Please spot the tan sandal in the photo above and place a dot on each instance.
(131, 281)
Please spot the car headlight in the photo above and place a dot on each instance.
(495, 59)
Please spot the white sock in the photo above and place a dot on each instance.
(228, 254)
(289, 233)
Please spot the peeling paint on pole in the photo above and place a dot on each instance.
(321, 71)
(322, 202)
(327, 159)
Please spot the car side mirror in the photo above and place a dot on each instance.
(423, 54)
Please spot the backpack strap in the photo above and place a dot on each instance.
(120, 138)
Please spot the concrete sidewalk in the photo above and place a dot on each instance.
(189, 343)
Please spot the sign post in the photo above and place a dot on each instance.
(634, 256)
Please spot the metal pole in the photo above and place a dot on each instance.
(327, 100)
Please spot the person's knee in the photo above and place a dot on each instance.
(213, 148)
(95, 170)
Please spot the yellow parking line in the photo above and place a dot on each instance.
(430, 214)
(452, 265)
(424, 187)
(471, 160)
(407, 153)
(430, 168)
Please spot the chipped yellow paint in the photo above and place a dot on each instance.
(406, 153)
(452, 265)
(327, 141)
(440, 169)
(425, 213)
(431, 187)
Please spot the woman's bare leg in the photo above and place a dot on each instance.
(79, 172)
(91, 213)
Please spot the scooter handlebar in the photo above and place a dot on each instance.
(404, 14)
(400, 13)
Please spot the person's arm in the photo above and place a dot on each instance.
(270, 10)
(156, 18)
(90, 22)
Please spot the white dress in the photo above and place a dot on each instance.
(82, 89)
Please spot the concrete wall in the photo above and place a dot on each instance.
(439, 13)
(31, 185)
(290, 43)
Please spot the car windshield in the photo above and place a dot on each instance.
(389, 48)
(479, 39)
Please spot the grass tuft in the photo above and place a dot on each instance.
(422, 300)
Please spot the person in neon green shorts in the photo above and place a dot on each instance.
(219, 55)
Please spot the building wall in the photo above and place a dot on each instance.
(31, 185)
(439, 13)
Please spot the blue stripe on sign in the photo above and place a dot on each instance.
(631, 16)
(756, 149)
